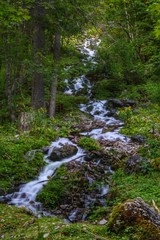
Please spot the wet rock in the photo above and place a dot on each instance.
(23, 195)
(45, 150)
(130, 103)
(143, 219)
(5, 199)
(136, 164)
(98, 124)
(111, 113)
(102, 222)
(114, 103)
(65, 151)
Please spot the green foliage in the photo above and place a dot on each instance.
(153, 91)
(155, 163)
(154, 8)
(144, 121)
(68, 103)
(98, 214)
(135, 186)
(150, 91)
(13, 150)
(52, 193)
(107, 88)
(11, 15)
(89, 144)
(63, 184)
(49, 228)
(16, 146)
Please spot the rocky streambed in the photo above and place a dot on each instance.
(78, 170)
(76, 178)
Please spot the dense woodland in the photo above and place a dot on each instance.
(39, 40)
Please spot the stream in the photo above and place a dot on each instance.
(100, 112)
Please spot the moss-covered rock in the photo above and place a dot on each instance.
(144, 220)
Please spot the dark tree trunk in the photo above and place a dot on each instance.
(10, 81)
(39, 47)
(56, 54)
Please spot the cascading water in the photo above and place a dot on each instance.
(26, 196)
(88, 49)
(100, 112)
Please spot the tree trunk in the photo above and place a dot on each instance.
(57, 46)
(52, 105)
(56, 54)
(10, 85)
(39, 47)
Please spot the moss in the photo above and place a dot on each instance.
(52, 193)
(98, 213)
(148, 231)
(146, 187)
(123, 222)
(61, 187)
(89, 144)
(32, 228)
(155, 163)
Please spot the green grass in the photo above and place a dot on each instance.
(146, 122)
(16, 223)
(125, 187)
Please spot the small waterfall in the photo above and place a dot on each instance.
(88, 49)
(27, 193)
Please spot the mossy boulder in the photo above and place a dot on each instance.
(138, 215)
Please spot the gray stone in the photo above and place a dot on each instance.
(63, 152)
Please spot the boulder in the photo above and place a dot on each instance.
(128, 102)
(65, 151)
(114, 103)
(143, 219)
(45, 150)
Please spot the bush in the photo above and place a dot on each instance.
(107, 88)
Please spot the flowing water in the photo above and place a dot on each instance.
(27, 193)
(26, 196)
